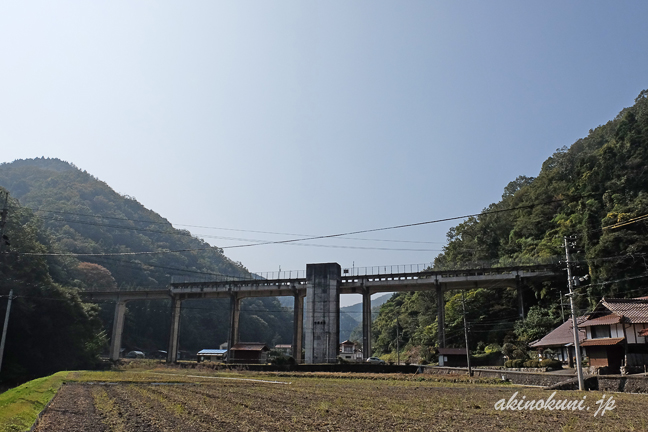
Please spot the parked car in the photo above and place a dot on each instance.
(375, 360)
(135, 355)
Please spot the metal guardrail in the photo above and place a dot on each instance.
(431, 267)
(400, 269)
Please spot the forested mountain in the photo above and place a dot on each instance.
(50, 329)
(351, 318)
(597, 189)
(80, 214)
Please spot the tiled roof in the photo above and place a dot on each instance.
(602, 320)
(452, 351)
(250, 346)
(561, 336)
(634, 310)
(615, 310)
(602, 342)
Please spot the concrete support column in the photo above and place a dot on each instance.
(518, 286)
(440, 315)
(322, 312)
(298, 327)
(366, 323)
(118, 328)
(174, 332)
(235, 312)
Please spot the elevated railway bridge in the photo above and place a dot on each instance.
(321, 288)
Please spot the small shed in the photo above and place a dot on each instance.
(248, 352)
(217, 355)
(452, 357)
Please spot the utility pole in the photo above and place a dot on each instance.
(397, 343)
(3, 221)
(463, 305)
(4, 328)
(570, 242)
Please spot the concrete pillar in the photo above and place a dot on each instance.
(298, 327)
(118, 328)
(322, 312)
(518, 286)
(440, 315)
(366, 323)
(235, 312)
(172, 352)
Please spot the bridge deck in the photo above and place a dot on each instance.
(498, 277)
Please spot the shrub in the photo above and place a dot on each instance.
(532, 364)
(517, 363)
(282, 360)
(551, 363)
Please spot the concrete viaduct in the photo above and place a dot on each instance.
(321, 287)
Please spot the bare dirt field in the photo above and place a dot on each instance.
(323, 404)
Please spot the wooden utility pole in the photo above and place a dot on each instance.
(397, 343)
(463, 305)
(570, 242)
(4, 328)
(3, 222)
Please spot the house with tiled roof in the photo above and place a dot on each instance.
(561, 342)
(349, 351)
(616, 334)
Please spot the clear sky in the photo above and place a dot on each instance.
(314, 118)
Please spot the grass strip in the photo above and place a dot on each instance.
(20, 406)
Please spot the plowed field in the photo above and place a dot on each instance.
(314, 404)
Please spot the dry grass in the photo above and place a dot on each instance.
(327, 402)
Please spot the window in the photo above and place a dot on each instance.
(601, 331)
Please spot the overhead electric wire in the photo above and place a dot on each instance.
(627, 222)
(204, 227)
(409, 225)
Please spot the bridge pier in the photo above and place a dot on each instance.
(440, 315)
(298, 326)
(174, 331)
(518, 286)
(118, 329)
(235, 313)
(322, 312)
(366, 323)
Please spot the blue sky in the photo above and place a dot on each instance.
(314, 118)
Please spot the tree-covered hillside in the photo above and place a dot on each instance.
(597, 189)
(50, 329)
(83, 215)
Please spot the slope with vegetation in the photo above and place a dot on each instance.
(597, 189)
(68, 211)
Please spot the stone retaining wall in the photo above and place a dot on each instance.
(332, 367)
(516, 377)
(627, 384)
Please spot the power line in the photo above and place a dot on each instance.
(304, 239)
(628, 222)
(204, 227)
